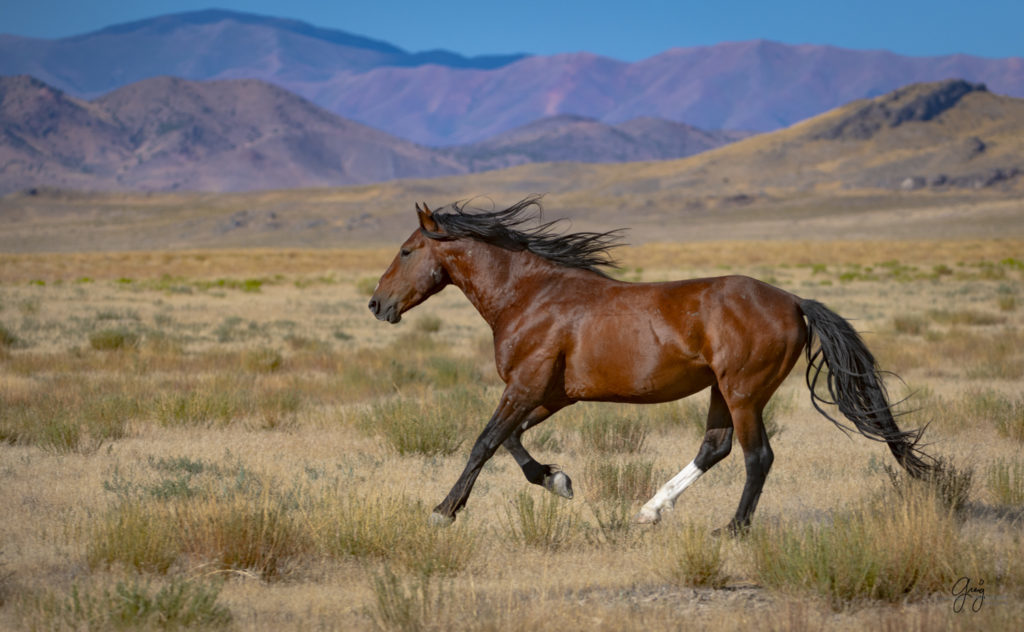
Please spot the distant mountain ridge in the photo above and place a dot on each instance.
(210, 44)
(439, 98)
(941, 160)
(568, 137)
(167, 133)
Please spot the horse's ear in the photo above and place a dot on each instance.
(426, 217)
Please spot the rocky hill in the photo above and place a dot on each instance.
(167, 134)
(237, 135)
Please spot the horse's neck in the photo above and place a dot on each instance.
(493, 279)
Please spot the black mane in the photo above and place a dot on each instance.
(586, 250)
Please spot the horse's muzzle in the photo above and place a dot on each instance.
(385, 311)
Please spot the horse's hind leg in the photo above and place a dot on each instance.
(758, 457)
(550, 477)
(715, 447)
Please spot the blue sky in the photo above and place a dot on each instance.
(628, 31)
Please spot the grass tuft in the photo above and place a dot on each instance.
(393, 529)
(1004, 412)
(137, 535)
(891, 550)
(947, 484)
(7, 337)
(609, 433)
(406, 604)
(691, 556)
(545, 524)
(436, 424)
(615, 524)
(179, 604)
(607, 480)
(909, 324)
(113, 339)
(1005, 481)
(262, 360)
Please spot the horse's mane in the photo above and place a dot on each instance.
(586, 250)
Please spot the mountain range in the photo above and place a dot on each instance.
(243, 134)
(934, 160)
(439, 98)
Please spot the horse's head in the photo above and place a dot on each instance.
(415, 274)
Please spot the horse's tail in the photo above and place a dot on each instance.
(855, 386)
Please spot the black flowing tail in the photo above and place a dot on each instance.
(855, 386)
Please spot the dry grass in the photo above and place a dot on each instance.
(893, 549)
(252, 446)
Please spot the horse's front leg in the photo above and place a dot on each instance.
(550, 477)
(509, 415)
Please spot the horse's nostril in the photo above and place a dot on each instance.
(374, 306)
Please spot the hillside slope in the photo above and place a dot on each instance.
(166, 134)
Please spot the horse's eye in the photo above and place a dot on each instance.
(405, 252)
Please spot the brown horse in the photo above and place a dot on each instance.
(564, 332)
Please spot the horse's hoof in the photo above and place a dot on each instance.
(647, 516)
(559, 483)
(732, 530)
(440, 520)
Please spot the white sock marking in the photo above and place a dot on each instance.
(666, 496)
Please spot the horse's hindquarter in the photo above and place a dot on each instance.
(638, 343)
(754, 335)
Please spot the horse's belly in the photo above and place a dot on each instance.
(635, 376)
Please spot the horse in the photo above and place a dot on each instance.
(565, 332)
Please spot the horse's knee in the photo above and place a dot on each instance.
(716, 446)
